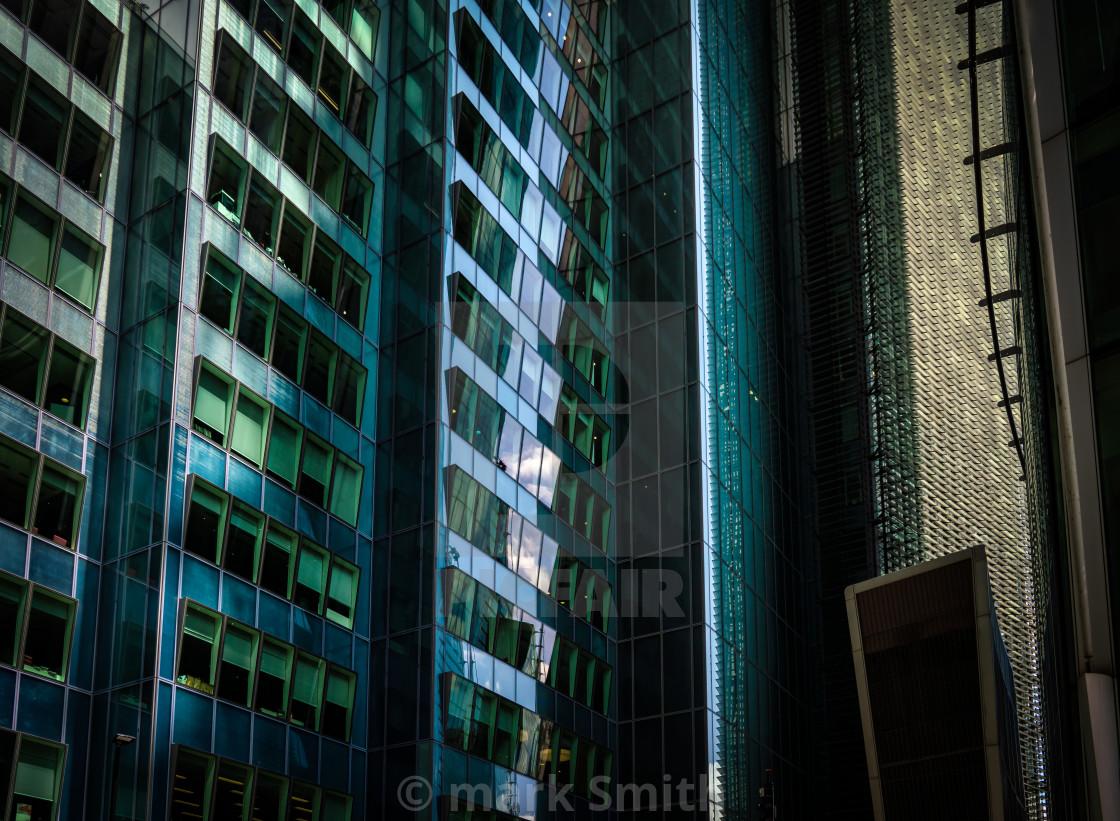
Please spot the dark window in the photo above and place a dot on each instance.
(254, 326)
(288, 350)
(23, 356)
(318, 379)
(351, 302)
(13, 598)
(243, 542)
(232, 789)
(42, 128)
(205, 522)
(11, 88)
(307, 689)
(219, 292)
(329, 166)
(292, 250)
(47, 646)
(239, 660)
(233, 72)
(333, 75)
(56, 511)
(17, 473)
(266, 119)
(98, 49)
(303, 49)
(276, 565)
(272, 18)
(198, 652)
(68, 384)
(193, 781)
(262, 213)
(272, 682)
(54, 20)
(361, 109)
(299, 143)
(325, 263)
(87, 160)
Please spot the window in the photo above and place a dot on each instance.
(307, 691)
(361, 109)
(303, 48)
(338, 703)
(57, 506)
(272, 18)
(68, 384)
(325, 261)
(278, 564)
(292, 250)
(24, 347)
(58, 493)
(42, 127)
(220, 286)
(38, 779)
(315, 471)
(79, 267)
(198, 650)
(212, 403)
(266, 119)
(254, 321)
(346, 489)
(262, 214)
(329, 167)
(250, 428)
(275, 674)
(343, 593)
(45, 647)
(233, 73)
(13, 601)
(206, 521)
(193, 782)
(88, 157)
(239, 661)
(243, 541)
(333, 75)
(311, 578)
(233, 788)
(226, 189)
(352, 287)
(97, 49)
(242, 792)
(12, 70)
(284, 448)
(357, 197)
(350, 387)
(299, 143)
(32, 241)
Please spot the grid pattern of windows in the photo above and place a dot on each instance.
(84, 36)
(483, 724)
(270, 329)
(244, 541)
(585, 61)
(53, 129)
(588, 279)
(208, 788)
(40, 367)
(225, 658)
(299, 247)
(289, 133)
(300, 43)
(490, 622)
(30, 777)
(484, 65)
(581, 426)
(38, 628)
(587, 354)
(234, 418)
(48, 247)
(516, 30)
(39, 495)
(488, 156)
(474, 228)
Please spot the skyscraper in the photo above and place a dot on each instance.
(923, 326)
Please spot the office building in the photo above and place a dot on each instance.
(936, 693)
(192, 216)
(1069, 52)
(924, 329)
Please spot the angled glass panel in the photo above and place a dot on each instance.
(284, 448)
(304, 48)
(250, 427)
(299, 143)
(364, 19)
(254, 322)
(305, 803)
(266, 117)
(226, 188)
(239, 662)
(295, 243)
(79, 267)
(333, 74)
(233, 791)
(98, 49)
(315, 471)
(33, 236)
(42, 128)
(274, 678)
(37, 781)
(270, 797)
(220, 286)
(23, 356)
(213, 402)
(198, 649)
(88, 156)
(322, 357)
(307, 691)
(13, 603)
(325, 263)
(278, 562)
(361, 109)
(336, 805)
(12, 70)
(346, 488)
(272, 21)
(311, 578)
(206, 522)
(262, 214)
(291, 342)
(58, 506)
(338, 703)
(350, 388)
(193, 785)
(50, 624)
(54, 21)
(353, 285)
(357, 198)
(342, 593)
(233, 77)
(329, 171)
(243, 541)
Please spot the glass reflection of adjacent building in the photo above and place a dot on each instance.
(187, 356)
